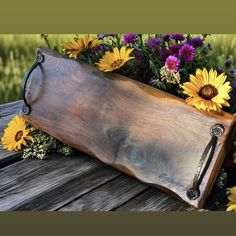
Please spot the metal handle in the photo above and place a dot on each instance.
(38, 60)
(215, 131)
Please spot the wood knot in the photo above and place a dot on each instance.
(135, 155)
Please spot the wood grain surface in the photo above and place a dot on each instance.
(46, 185)
(153, 200)
(108, 196)
(140, 130)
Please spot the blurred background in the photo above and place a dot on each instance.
(17, 54)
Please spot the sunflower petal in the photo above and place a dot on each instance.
(220, 80)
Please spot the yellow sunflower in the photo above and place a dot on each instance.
(15, 134)
(232, 199)
(114, 60)
(207, 91)
(74, 48)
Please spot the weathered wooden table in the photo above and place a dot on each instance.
(77, 183)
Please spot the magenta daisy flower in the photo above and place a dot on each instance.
(187, 52)
(172, 63)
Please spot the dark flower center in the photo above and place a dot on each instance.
(208, 92)
(172, 65)
(19, 135)
(187, 53)
(116, 63)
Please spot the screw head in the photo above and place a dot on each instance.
(25, 109)
(217, 130)
(192, 194)
(40, 58)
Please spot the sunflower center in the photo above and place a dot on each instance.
(116, 63)
(208, 92)
(18, 135)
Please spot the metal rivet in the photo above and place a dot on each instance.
(39, 58)
(192, 194)
(217, 130)
(25, 109)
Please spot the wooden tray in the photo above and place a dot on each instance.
(142, 131)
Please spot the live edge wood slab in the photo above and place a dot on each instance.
(147, 133)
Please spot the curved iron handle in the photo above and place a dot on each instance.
(194, 192)
(38, 60)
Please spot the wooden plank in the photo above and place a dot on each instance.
(108, 196)
(153, 200)
(10, 108)
(7, 157)
(57, 197)
(50, 184)
(7, 112)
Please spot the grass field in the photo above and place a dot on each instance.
(17, 53)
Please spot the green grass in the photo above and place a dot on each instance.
(224, 46)
(17, 53)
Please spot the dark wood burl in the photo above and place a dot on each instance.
(140, 130)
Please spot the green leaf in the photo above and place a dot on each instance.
(154, 68)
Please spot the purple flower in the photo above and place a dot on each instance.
(233, 73)
(129, 38)
(233, 84)
(178, 37)
(154, 44)
(164, 54)
(174, 49)
(219, 70)
(151, 81)
(228, 63)
(139, 56)
(102, 48)
(166, 37)
(187, 52)
(196, 42)
(172, 63)
(102, 36)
